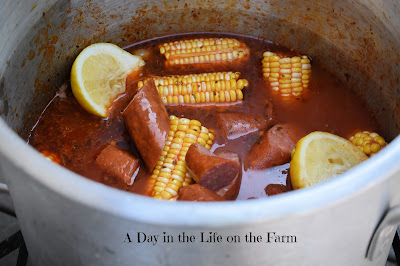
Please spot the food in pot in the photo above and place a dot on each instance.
(275, 189)
(118, 163)
(51, 156)
(236, 125)
(166, 107)
(203, 50)
(207, 169)
(368, 142)
(287, 75)
(231, 190)
(170, 173)
(98, 76)
(200, 88)
(197, 192)
(320, 156)
(274, 146)
(147, 122)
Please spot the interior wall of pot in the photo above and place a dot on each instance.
(357, 40)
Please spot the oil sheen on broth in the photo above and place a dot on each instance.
(77, 137)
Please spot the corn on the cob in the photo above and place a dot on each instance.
(170, 173)
(287, 75)
(368, 142)
(51, 156)
(200, 88)
(208, 50)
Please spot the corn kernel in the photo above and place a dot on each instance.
(369, 143)
(170, 173)
(203, 50)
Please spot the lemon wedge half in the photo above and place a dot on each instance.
(98, 76)
(320, 156)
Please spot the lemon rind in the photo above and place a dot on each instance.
(127, 61)
(297, 172)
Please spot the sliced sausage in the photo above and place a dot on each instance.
(275, 189)
(231, 191)
(274, 147)
(118, 163)
(148, 123)
(198, 193)
(236, 124)
(208, 170)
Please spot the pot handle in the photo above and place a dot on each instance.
(381, 239)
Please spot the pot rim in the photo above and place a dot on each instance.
(148, 210)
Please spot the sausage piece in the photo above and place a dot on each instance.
(148, 123)
(274, 147)
(118, 163)
(275, 189)
(198, 193)
(208, 170)
(231, 191)
(236, 124)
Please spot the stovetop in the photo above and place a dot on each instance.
(13, 250)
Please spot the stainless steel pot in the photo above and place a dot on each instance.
(69, 220)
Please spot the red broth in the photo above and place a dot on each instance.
(76, 137)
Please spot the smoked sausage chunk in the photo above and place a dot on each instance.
(231, 191)
(209, 170)
(236, 124)
(118, 163)
(148, 123)
(275, 189)
(274, 147)
(198, 193)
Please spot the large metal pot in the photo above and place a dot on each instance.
(69, 220)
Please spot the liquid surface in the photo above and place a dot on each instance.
(76, 137)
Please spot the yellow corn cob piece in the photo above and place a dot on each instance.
(51, 156)
(289, 76)
(170, 173)
(200, 88)
(368, 142)
(204, 50)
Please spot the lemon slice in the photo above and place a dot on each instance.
(98, 76)
(320, 156)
